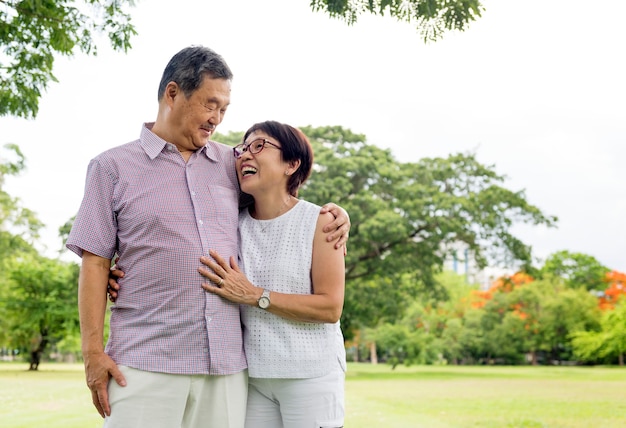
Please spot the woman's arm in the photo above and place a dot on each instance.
(327, 272)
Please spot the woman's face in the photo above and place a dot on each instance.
(264, 170)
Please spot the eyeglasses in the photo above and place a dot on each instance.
(254, 147)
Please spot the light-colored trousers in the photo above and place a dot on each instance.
(160, 400)
(297, 403)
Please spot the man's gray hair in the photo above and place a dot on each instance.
(189, 67)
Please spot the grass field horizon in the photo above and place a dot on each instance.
(376, 396)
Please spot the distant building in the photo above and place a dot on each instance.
(460, 260)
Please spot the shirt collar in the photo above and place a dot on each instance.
(152, 144)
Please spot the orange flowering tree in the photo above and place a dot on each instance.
(615, 290)
(608, 343)
(523, 316)
(502, 284)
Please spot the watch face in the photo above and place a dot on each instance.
(264, 302)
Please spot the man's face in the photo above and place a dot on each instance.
(193, 120)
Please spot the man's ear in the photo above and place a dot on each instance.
(172, 90)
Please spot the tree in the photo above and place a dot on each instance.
(431, 17)
(608, 342)
(452, 340)
(550, 312)
(32, 32)
(64, 232)
(405, 215)
(18, 229)
(567, 311)
(429, 330)
(615, 290)
(441, 320)
(19, 226)
(577, 269)
(536, 316)
(392, 295)
(401, 343)
(471, 337)
(497, 328)
(40, 303)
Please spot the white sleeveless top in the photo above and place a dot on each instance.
(276, 254)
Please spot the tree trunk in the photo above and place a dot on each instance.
(35, 354)
(621, 359)
(373, 356)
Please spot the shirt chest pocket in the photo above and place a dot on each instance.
(221, 206)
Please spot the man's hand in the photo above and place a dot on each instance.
(99, 368)
(338, 229)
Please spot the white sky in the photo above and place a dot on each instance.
(536, 88)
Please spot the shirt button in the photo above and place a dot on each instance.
(200, 222)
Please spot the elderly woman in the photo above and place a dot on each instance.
(292, 292)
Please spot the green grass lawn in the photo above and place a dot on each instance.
(376, 396)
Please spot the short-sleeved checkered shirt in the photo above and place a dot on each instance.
(160, 213)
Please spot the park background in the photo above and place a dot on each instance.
(535, 88)
(521, 114)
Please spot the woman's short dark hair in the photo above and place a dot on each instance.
(295, 146)
(190, 66)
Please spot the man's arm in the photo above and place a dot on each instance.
(99, 367)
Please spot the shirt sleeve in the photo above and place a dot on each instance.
(95, 227)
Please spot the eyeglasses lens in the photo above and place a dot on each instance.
(254, 147)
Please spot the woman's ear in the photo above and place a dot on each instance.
(293, 167)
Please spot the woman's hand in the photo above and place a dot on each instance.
(228, 281)
(113, 288)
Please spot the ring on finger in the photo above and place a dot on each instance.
(219, 284)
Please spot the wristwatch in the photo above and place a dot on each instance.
(264, 300)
